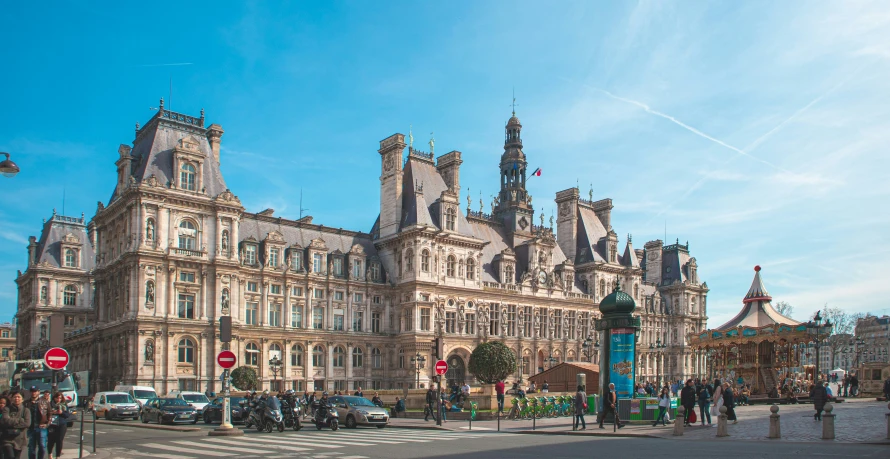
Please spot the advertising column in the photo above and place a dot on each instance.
(621, 358)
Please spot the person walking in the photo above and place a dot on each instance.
(37, 432)
(610, 405)
(15, 419)
(664, 403)
(819, 397)
(58, 425)
(846, 385)
(854, 386)
(704, 404)
(717, 398)
(499, 390)
(430, 405)
(687, 399)
(887, 389)
(580, 408)
(729, 403)
(545, 388)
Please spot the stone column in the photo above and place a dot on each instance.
(722, 430)
(680, 421)
(828, 423)
(348, 364)
(775, 430)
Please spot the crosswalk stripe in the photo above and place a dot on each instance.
(383, 441)
(179, 449)
(203, 444)
(165, 456)
(227, 441)
(303, 442)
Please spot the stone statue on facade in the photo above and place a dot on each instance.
(43, 332)
(566, 325)
(43, 294)
(461, 318)
(512, 195)
(150, 292)
(551, 326)
(224, 301)
(150, 230)
(528, 199)
(537, 324)
(432, 143)
(149, 351)
(225, 241)
(504, 322)
(520, 325)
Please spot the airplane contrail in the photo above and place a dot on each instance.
(165, 65)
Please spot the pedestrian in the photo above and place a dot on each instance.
(532, 388)
(398, 407)
(443, 407)
(499, 390)
(58, 425)
(376, 400)
(430, 402)
(545, 388)
(664, 403)
(704, 404)
(846, 384)
(729, 403)
(14, 421)
(819, 397)
(39, 409)
(828, 391)
(675, 387)
(687, 399)
(359, 393)
(854, 386)
(717, 398)
(610, 405)
(887, 389)
(580, 408)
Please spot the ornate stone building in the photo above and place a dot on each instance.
(7, 342)
(175, 250)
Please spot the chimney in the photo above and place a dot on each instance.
(124, 166)
(214, 134)
(567, 222)
(32, 250)
(448, 166)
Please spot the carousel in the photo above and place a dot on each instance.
(758, 346)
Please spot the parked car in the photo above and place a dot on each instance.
(355, 411)
(168, 410)
(197, 399)
(141, 394)
(213, 411)
(116, 405)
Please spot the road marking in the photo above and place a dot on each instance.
(241, 443)
(202, 444)
(383, 441)
(180, 449)
(303, 442)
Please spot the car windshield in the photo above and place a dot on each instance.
(173, 402)
(234, 401)
(195, 398)
(358, 401)
(273, 404)
(45, 382)
(118, 398)
(144, 393)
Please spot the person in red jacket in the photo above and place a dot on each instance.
(499, 390)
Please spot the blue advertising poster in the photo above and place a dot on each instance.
(621, 359)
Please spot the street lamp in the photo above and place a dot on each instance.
(816, 328)
(418, 361)
(7, 167)
(275, 366)
(588, 346)
(550, 359)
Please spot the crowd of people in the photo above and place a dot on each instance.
(38, 423)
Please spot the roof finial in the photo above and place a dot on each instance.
(162, 103)
(432, 143)
(481, 203)
(757, 269)
(514, 101)
(410, 137)
(629, 238)
(590, 194)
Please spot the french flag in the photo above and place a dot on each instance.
(537, 172)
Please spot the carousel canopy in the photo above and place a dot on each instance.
(758, 311)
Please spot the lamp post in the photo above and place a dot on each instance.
(550, 359)
(7, 167)
(657, 350)
(275, 366)
(418, 361)
(588, 346)
(816, 328)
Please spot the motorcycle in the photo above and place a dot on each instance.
(325, 415)
(255, 408)
(293, 412)
(274, 417)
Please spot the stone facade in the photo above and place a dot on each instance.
(7, 342)
(875, 332)
(175, 250)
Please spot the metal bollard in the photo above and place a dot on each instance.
(888, 422)
(722, 431)
(82, 414)
(534, 408)
(828, 423)
(499, 420)
(94, 430)
(775, 428)
(678, 423)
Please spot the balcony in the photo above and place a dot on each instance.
(188, 252)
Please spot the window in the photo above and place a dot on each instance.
(409, 260)
(526, 365)
(69, 296)
(187, 177)
(401, 359)
(338, 296)
(250, 313)
(296, 291)
(5, 334)
(509, 278)
(275, 315)
(511, 321)
(375, 271)
(357, 298)
(251, 354)
(449, 266)
(318, 317)
(69, 321)
(273, 258)
(494, 325)
(338, 266)
(358, 358)
(409, 319)
(471, 324)
(637, 293)
(376, 299)
(450, 320)
(357, 269)
(275, 351)
(275, 289)
(188, 235)
(296, 260)
(450, 217)
(186, 351)
(185, 276)
(375, 322)
(602, 287)
(296, 355)
(357, 318)
(471, 269)
(70, 261)
(527, 322)
(571, 331)
(317, 356)
(250, 254)
(338, 322)
(186, 306)
(338, 356)
(557, 325)
(376, 358)
(296, 316)
(425, 319)
(5, 353)
(253, 287)
(318, 294)
(425, 261)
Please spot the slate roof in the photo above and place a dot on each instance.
(259, 227)
(590, 232)
(422, 173)
(674, 257)
(49, 247)
(629, 258)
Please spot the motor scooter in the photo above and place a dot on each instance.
(292, 412)
(325, 415)
(273, 416)
(255, 408)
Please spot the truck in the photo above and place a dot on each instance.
(24, 374)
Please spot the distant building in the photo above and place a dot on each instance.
(875, 332)
(7, 342)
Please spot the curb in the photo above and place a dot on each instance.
(149, 426)
(432, 427)
(588, 434)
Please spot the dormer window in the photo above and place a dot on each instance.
(273, 258)
(509, 275)
(70, 258)
(375, 271)
(296, 259)
(450, 219)
(187, 177)
(250, 254)
(187, 235)
(317, 262)
(357, 269)
(338, 266)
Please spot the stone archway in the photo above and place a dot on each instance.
(457, 371)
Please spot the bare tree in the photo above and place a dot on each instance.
(784, 308)
(843, 324)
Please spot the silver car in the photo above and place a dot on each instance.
(355, 411)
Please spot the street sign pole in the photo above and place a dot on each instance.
(226, 405)
(226, 359)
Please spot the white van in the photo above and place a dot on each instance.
(141, 394)
(116, 405)
(196, 399)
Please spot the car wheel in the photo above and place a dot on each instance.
(350, 422)
(380, 427)
(144, 419)
(107, 417)
(206, 418)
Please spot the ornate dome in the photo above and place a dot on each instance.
(617, 302)
(514, 121)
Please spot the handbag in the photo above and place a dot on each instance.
(585, 406)
(692, 418)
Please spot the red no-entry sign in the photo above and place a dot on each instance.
(226, 359)
(441, 367)
(56, 358)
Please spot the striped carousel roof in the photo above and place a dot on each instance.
(758, 311)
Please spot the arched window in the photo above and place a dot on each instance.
(449, 266)
(338, 356)
(508, 275)
(186, 351)
(69, 296)
(70, 259)
(188, 234)
(376, 358)
(296, 355)
(401, 358)
(450, 218)
(602, 287)
(187, 177)
(409, 260)
(425, 261)
(471, 269)
(275, 351)
(251, 354)
(318, 356)
(358, 358)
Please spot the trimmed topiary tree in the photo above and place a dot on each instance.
(492, 361)
(244, 378)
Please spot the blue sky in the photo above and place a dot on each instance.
(757, 131)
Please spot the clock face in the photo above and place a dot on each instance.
(388, 163)
(542, 277)
(653, 255)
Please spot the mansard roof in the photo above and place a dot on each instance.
(674, 260)
(629, 258)
(423, 173)
(55, 230)
(590, 232)
(258, 226)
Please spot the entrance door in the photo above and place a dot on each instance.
(456, 371)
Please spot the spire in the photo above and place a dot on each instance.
(630, 255)
(757, 291)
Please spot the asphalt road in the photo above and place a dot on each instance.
(125, 441)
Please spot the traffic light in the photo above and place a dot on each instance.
(225, 329)
(437, 349)
(56, 330)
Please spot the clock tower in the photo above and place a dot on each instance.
(514, 205)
